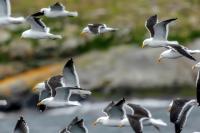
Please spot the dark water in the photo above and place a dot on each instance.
(54, 120)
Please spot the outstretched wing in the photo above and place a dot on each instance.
(139, 110)
(116, 111)
(57, 7)
(151, 21)
(161, 29)
(36, 24)
(198, 88)
(5, 9)
(182, 50)
(94, 28)
(70, 75)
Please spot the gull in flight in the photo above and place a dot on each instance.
(57, 10)
(5, 14)
(38, 29)
(97, 29)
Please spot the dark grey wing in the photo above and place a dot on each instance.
(70, 75)
(176, 109)
(117, 111)
(55, 81)
(151, 21)
(136, 123)
(40, 13)
(94, 28)
(79, 127)
(63, 131)
(139, 110)
(62, 94)
(72, 123)
(36, 24)
(5, 9)
(198, 88)
(183, 118)
(44, 94)
(108, 108)
(21, 126)
(57, 7)
(182, 50)
(161, 29)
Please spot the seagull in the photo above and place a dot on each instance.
(69, 78)
(76, 126)
(61, 97)
(21, 126)
(97, 29)
(197, 82)
(38, 30)
(57, 10)
(158, 32)
(145, 113)
(5, 14)
(115, 115)
(176, 51)
(179, 110)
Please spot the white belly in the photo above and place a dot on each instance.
(36, 34)
(53, 14)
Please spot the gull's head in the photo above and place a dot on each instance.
(39, 87)
(85, 31)
(43, 10)
(197, 66)
(160, 58)
(100, 120)
(146, 42)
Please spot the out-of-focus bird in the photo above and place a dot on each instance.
(38, 30)
(179, 111)
(158, 32)
(76, 126)
(5, 14)
(197, 66)
(57, 10)
(176, 51)
(21, 126)
(60, 97)
(97, 29)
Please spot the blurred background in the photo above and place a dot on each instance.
(112, 65)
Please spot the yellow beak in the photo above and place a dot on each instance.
(193, 67)
(39, 104)
(143, 45)
(159, 60)
(34, 89)
(83, 33)
(94, 123)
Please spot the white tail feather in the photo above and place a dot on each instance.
(73, 14)
(157, 122)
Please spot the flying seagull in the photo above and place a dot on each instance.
(97, 29)
(61, 97)
(21, 126)
(179, 110)
(115, 115)
(197, 82)
(76, 126)
(5, 14)
(145, 113)
(158, 32)
(57, 10)
(175, 51)
(69, 78)
(38, 29)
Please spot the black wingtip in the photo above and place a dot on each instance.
(70, 62)
(40, 13)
